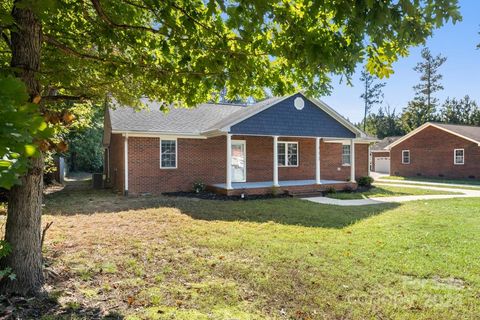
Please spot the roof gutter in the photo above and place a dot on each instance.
(159, 134)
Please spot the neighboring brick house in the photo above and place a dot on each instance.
(380, 156)
(293, 143)
(437, 150)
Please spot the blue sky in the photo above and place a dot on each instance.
(461, 71)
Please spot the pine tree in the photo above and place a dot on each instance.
(372, 95)
(423, 108)
(463, 111)
(429, 79)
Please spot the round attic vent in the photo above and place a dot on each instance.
(299, 103)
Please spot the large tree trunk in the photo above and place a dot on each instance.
(23, 227)
(23, 232)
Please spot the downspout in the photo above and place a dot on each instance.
(125, 182)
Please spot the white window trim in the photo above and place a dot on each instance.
(349, 156)
(403, 158)
(455, 157)
(176, 153)
(286, 154)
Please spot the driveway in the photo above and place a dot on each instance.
(464, 193)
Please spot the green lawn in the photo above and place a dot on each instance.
(386, 191)
(382, 183)
(438, 180)
(264, 259)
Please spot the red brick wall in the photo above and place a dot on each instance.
(205, 160)
(198, 159)
(116, 162)
(378, 154)
(331, 161)
(260, 160)
(431, 155)
(361, 160)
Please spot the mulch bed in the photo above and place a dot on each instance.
(215, 196)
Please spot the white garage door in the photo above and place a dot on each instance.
(382, 164)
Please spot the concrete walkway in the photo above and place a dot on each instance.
(462, 193)
(403, 183)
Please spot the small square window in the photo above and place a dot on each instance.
(406, 156)
(459, 156)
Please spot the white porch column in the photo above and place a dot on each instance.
(275, 161)
(317, 161)
(229, 162)
(352, 160)
(125, 180)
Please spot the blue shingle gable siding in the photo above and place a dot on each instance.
(283, 119)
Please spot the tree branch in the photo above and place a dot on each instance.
(110, 22)
(62, 97)
(44, 232)
(68, 50)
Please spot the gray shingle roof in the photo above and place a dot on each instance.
(202, 118)
(382, 144)
(471, 132)
(181, 120)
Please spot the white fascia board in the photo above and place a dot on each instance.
(160, 134)
(214, 133)
(347, 140)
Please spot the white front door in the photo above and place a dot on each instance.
(239, 161)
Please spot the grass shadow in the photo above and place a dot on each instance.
(46, 307)
(288, 211)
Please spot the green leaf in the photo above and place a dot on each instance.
(30, 150)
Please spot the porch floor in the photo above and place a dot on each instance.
(269, 184)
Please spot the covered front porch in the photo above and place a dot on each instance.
(286, 164)
(296, 144)
(291, 187)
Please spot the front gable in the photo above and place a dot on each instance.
(284, 119)
(427, 135)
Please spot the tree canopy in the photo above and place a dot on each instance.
(183, 53)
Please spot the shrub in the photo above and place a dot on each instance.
(330, 190)
(198, 187)
(348, 189)
(275, 191)
(365, 182)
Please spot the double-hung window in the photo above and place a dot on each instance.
(287, 154)
(459, 156)
(406, 156)
(346, 155)
(168, 153)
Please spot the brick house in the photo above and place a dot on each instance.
(380, 155)
(437, 150)
(293, 143)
